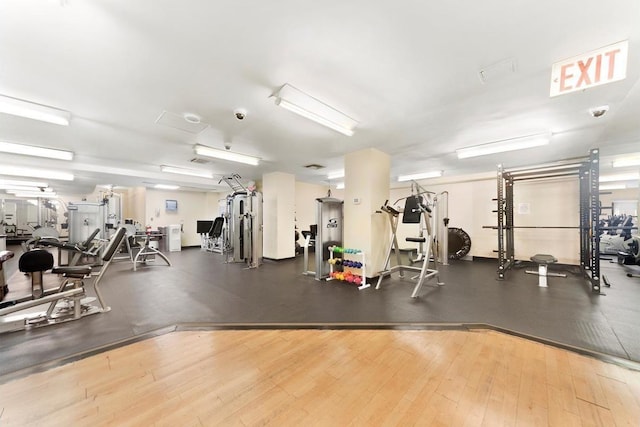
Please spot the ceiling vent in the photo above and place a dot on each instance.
(182, 122)
(497, 71)
(199, 161)
(314, 167)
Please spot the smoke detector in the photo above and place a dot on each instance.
(192, 118)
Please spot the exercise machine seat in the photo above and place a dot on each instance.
(35, 260)
(543, 261)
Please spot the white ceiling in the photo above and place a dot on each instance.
(407, 71)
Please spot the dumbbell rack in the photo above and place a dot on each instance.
(358, 256)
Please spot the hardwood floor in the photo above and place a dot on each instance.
(328, 378)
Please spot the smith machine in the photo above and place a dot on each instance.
(587, 171)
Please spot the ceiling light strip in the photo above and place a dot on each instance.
(30, 110)
(296, 101)
(418, 176)
(628, 162)
(35, 173)
(183, 171)
(203, 150)
(631, 176)
(511, 144)
(30, 150)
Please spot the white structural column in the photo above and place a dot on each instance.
(279, 197)
(366, 189)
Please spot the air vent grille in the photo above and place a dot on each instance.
(314, 166)
(199, 161)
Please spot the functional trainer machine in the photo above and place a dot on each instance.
(327, 232)
(67, 301)
(420, 208)
(242, 234)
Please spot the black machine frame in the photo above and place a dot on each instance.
(587, 169)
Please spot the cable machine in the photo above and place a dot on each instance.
(587, 170)
(242, 234)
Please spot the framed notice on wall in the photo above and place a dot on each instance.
(171, 205)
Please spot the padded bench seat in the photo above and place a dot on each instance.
(543, 261)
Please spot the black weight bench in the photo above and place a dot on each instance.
(68, 301)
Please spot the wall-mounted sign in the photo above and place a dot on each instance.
(598, 67)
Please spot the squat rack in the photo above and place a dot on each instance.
(587, 169)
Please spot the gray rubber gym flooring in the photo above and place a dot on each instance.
(200, 290)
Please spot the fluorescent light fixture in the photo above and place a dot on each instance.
(166, 187)
(30, 150)
(417, 176)
(629, 161)
(203, 150)
(38, 184)
(631, 176)
(511, 144)
(35, 173)
(24, 188)
(296, 101)
(30, 110)
(190, 172)
(340, 186)
(336, 175)
(612, 187)
(32, 194)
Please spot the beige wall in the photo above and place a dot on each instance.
(305, 204)
(537, 203)
(278, 215)
(470, 207)
(192, 206)
(608, 197)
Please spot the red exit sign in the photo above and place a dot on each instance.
(598, 67)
